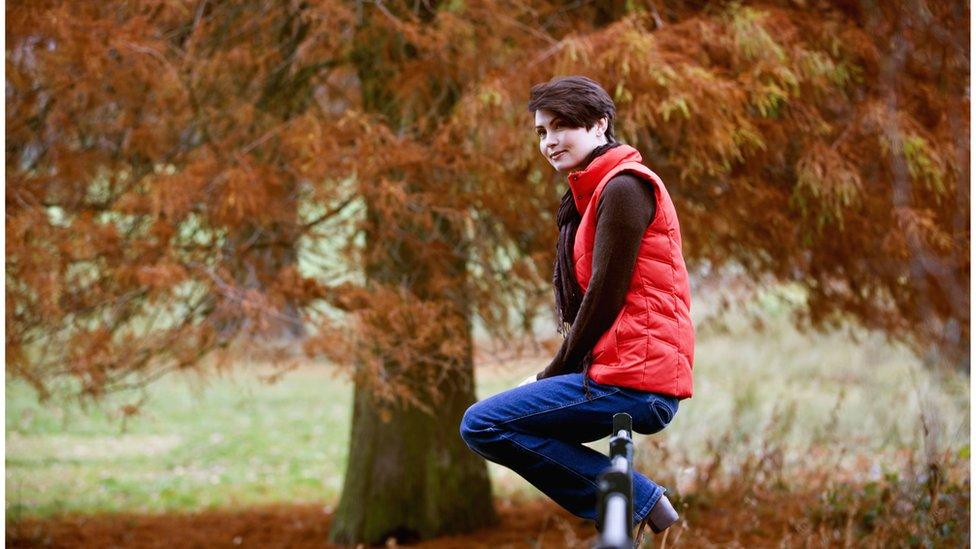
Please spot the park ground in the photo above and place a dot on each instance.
(537, 523)
(792, 439)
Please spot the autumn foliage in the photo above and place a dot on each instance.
(184, 174)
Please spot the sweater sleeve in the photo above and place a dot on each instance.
(626, 208)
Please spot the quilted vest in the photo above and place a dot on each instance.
(651, 344)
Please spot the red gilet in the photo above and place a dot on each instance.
(651, 344)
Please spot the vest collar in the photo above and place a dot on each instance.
(584, 182)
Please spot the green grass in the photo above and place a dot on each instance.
(226, 441)
(231, 440)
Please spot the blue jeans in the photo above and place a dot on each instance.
(538, 431)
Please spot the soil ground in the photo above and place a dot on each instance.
(536, 524)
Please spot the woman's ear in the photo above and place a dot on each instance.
(601, 126)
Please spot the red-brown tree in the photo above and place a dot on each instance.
(362, 177)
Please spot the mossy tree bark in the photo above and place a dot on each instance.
(410, 475)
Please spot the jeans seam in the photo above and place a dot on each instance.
(584, 399)
(505, 436)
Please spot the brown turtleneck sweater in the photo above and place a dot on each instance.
(625, 210)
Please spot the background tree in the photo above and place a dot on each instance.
(154, 180)
(184, 175)
(163, 178)
(824, 145)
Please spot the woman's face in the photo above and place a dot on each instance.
(564, 147)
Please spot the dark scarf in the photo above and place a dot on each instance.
(569, 295)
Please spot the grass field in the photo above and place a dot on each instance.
(232, 440)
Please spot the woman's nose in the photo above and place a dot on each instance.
(550, 141)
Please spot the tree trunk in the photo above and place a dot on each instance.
(409, 474)
(411, 477)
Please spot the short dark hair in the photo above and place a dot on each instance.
(577, 100)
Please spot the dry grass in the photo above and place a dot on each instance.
(791, 439)
(822, 439)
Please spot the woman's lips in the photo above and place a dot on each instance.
(557, 155)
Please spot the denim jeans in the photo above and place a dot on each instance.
(538, 431)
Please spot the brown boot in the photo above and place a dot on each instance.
(659, 518)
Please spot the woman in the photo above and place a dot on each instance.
(622, 289)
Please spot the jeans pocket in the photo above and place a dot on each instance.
(664, 412)
(658, 412)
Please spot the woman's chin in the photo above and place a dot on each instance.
(561, 167)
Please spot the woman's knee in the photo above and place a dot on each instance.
(474, 426)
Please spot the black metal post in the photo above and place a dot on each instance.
(615, 504)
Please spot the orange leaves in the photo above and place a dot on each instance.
(163, 275)
(312, 147)
(147, 156)
(90, 358)
(828, 187)
(290, 287)
(192, 161)
(242, 194)
(173, 194)
(402, 347)
(920, 228)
